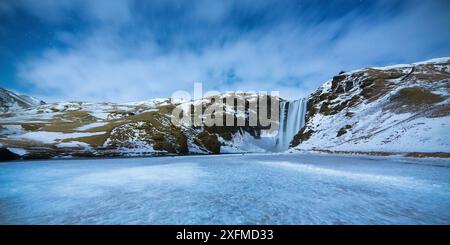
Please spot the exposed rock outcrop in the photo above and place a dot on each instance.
(403, 108)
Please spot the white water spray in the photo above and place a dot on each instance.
(292, 119)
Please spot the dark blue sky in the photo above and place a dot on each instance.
(124, 50)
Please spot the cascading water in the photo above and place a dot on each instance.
(292, 119)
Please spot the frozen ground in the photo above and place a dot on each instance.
(227, 189)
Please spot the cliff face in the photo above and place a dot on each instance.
(402, 108)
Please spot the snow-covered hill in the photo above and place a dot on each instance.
(85, 129)
(12, 102)
(402, 108)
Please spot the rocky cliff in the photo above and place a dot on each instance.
(402, 108)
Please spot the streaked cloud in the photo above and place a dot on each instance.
(133, 50)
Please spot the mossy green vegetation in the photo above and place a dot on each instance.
(154, 129)
(303, 135)
(416, 96)
(440, 111)
(68, 121)
(209, 141)
(343, 130)
(32, 126)
(413, 99)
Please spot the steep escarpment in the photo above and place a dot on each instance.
(402, 108)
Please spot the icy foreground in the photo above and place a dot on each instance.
(227, 189)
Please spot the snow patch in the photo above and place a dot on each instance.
(100, 115)
(91, 126)
(50, 137)
(18, 151)
(11, 129)
(74, 144)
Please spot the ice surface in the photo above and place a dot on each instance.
(227, 189)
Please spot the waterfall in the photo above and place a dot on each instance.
(292, 119)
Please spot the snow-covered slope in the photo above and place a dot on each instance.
(12, 102)
(402, 108)
(85, 129)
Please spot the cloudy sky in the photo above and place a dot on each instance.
(127, 50)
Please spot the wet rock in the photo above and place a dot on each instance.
(7, 155)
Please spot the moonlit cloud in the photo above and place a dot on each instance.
(130, 50)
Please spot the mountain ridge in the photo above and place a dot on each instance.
(13, 102)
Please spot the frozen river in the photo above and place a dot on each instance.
(227, 189)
